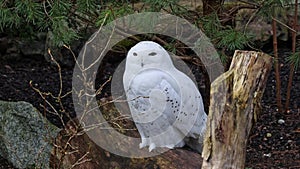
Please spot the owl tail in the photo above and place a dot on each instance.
(195, 144)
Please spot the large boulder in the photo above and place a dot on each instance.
(25, 135)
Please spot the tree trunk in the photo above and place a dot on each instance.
(234, 104)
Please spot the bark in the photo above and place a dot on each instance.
(235, 101)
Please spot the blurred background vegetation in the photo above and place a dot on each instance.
(226, 23)
(35, 26)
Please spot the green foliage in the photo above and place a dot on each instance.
(270, 8)
(62, 33)
(84, 6)
(20, 15)
(294, 60)
(211, 25)
(8, 20)
(157, 5)
(273, 8)
(232, 39)
(32, 11)
(112, 12)
(170, 47)
(66, 21)
(26, 18)
(224, 37)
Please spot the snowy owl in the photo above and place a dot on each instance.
(165, 104)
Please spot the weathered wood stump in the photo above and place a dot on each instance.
(234, 104)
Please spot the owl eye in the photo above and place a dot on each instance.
(134, 54)
(152, 54)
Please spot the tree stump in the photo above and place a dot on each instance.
(234, 104)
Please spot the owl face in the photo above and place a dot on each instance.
(147, 54)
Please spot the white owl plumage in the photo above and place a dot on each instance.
(165, 104)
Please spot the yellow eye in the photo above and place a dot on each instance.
(152, 54)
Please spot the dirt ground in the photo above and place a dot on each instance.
(274, 141)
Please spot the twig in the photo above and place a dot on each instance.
(278, 21)
(59, 73)
(42, 96)
(105, 47)
(250, 19)
(277, 75)
(294, 34)
(81, 160)
(91, 40)
(74, 56)
(102, 86)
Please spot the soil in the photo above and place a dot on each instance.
(272, 144)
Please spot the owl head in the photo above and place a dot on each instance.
(148, 54)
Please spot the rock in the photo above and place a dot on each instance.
(14, 48)
(32, 48)
(281, 121)
(9, 49)
(25, 135)
(267, 155)
(258, 26)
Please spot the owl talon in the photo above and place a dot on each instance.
(141, 145)
(181, 144)
(151, 147)
(171, 146)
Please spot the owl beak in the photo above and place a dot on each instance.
(142, 62)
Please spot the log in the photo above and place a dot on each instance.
(74, 149)
(234, 107)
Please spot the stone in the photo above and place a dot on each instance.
(25, 135)
(281, 121)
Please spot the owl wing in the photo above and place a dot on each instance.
(154, 100)
(193, 113)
